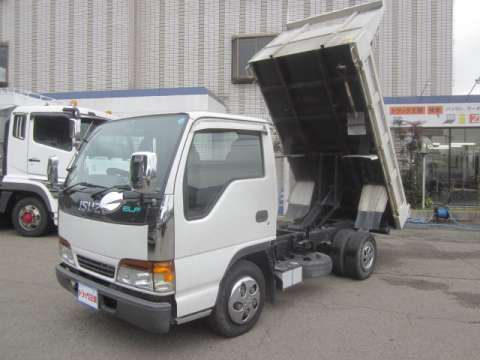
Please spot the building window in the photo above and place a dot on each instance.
(243, 49)
(216, 158)
(3, 65)
(453, 166)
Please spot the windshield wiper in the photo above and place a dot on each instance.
(82, 183)
(106, 190)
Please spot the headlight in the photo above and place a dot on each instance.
(147, 275)
(65, 251)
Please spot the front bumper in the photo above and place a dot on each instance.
(149, 315)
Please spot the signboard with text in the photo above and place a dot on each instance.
(434, 115)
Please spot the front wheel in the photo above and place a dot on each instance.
(30, 217)
(240, 300)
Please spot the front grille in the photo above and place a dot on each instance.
(96, 266)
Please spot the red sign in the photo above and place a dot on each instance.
(435, 110)
(474, 118)
(407, 110)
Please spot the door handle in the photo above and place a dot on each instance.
(34, 160)
(261, 216)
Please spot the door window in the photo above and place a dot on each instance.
(52, 131)
(464, 182)
(453, 166)
(215, 159)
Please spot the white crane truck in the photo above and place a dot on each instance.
(29, 136)
(181, 222)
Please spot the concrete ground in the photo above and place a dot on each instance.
(423, 302)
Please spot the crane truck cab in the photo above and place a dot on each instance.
(30, 135)
(169, 218)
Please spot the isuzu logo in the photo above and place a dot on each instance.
(108, 204)
(89, 206)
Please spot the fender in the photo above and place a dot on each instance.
(249, 250)
(12, 187)
(262, 256)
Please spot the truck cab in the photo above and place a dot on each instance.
(165, 219)
(30, 136)
(167, 241)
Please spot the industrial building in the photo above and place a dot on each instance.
(51, 46)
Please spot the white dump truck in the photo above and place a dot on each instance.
(29, 136)
(169, 218)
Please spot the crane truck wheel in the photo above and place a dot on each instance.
(30, 217)
(240, 300)
(360, 256)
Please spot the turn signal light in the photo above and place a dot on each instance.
(165, 269)
(147, 275)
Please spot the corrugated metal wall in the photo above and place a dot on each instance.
(61, 45)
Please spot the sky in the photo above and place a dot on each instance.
(466, 46)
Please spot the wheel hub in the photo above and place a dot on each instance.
(244, 300)
(29, 217)
(368, 255)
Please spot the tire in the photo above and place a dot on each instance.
(314, 264)
(338, 250)
(30, 217)
(234, 314)
(360, 256)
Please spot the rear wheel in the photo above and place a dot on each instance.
(360, 255)
(338, 250)
(240, 300)
(30, 217)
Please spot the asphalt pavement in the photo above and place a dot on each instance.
(423, 302)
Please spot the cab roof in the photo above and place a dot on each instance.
(60, 109)
(194, 115)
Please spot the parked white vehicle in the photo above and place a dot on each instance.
(181, 222)
(29, 136)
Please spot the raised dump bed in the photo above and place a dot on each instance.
(319, 82)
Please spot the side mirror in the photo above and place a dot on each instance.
(143, 170)
(52, 172)
(75, 132)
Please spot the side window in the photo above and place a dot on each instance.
(18, 130)
(52, 131)
(215, 159)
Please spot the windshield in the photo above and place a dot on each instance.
(104, 160)
(88, 125)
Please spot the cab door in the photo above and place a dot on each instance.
(225, 200)
(49, 136)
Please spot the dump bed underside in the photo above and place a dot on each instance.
(309, 104)
(316, 102)
(319, 82)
